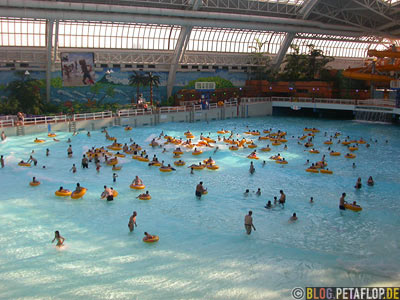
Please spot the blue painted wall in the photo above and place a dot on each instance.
(119, 81)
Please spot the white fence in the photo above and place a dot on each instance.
(134, 112)
(10, 121)
(92, 116)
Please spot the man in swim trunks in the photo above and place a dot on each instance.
(69, 151)
(200, 189)
(85, 162)
(342, 202)
(282, 199)
(32, 159)
(132, 221)
(248, 222)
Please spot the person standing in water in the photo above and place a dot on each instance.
(115, 177)
(200, 189)
(252, 169)
(132, 221)
(69, 151)
(59, 238)
(282, 199)
(47, 152)
(342, 202)
(248, 223)
(2, 161)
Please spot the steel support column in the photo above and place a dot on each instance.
(304, 12)
(49, 44)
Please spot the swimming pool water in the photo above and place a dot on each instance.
(203, 252)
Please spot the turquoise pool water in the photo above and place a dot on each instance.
(203, 252)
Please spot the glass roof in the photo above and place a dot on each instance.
(17, 32)
(117, 35)
(233, 40)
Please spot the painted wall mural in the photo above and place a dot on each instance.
(121, 87)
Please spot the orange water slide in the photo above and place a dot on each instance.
(386, 53)
(364, 73)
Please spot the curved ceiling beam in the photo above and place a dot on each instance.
(74, 11)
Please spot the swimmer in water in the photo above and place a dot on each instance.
(358, 183)
(59, 238)
(47, 152)
(2, 161)
(132, 221)
(282, 199)
(73, 169)
(268, 205)
(311, 200)
(246, 193)
(293, 218)
(258, 193)
(200, 190)
(370, 181)
(263, 163)
(69, 151)
(147, 236)
(252, 169)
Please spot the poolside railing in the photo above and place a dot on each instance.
(92, 116)
(11, 121)
(123, 113)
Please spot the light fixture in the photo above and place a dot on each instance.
(27, 73)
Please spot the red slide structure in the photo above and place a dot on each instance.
(388, 60)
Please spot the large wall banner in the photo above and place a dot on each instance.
(77, 68)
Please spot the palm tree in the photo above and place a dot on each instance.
(137, 79)
(152, 81)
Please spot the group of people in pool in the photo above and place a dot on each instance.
(96, 154)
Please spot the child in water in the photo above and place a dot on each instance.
(59, 238)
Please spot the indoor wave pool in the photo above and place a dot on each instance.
(203, 251)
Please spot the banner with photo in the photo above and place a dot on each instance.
(77, 68)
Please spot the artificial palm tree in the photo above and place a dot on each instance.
(137, 79)
(152, 81)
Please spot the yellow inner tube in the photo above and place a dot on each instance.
(252, 146)
(144, 197)
(137, 186)
(24, 164)
(157, 164)
(212, 167)
(328, 143)
(312, 170)
(276, 143)
(39, 141)
(266, 149)
(334, 154)
(120, 155)
(153, 240)
(115, 168)
(198, 167)
(78, 195)
(253, 157)
(197, 152)
(63, 193)
(326, 171)
(165, 169)
(51, 135)
(282, 162)
(352, 207)
(34, 183)
(128, 128)
(314, 151)
(112, 162)
(179, 163)
(350, 156)
(233, 148)
(142, 159)
(178, 152)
